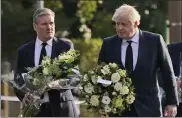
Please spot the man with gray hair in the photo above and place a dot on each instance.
(141, 53)
(57, 103)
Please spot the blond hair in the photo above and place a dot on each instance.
(42, 12)
(126, 11)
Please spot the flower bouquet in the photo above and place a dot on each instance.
(57, 73)
(107, 89)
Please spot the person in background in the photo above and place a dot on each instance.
(175, 51)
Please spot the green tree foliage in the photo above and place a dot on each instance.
(55, 5)
(85, 13)
(89, 50)
(153, 15)
(82, 19)
(16, 28)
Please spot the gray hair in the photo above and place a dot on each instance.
(42, 12)
(126, 11)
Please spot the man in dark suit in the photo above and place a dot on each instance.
(57, 103)
(175, 51)
(141, 53)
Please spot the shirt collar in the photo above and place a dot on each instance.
(39, 42)
(135, 38)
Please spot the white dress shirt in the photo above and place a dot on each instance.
(134, 45)
(38, 48)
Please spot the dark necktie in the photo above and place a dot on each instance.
(43, 53)
(129, 58)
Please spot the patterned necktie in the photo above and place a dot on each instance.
(43, 53)
(129, 58)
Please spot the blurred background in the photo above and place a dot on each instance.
(85, 23)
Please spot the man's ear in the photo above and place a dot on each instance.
(34, 26)
(137, 23)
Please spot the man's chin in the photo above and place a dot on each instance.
(50, 37)
(123, 37)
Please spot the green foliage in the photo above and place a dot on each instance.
(103, 27)
(85, 14)
(86, 10)
(16, 28)
(89, 51)
(53, 4)
(153, 15)
(84, 112)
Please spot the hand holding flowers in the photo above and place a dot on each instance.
(57, 73)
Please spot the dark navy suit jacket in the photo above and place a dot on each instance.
(25, 58)
(152, 55)
(175, 51)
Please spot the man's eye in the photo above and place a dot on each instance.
(117, 23)
(44, 24)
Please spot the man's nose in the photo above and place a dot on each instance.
(120, 26)
(49, 26)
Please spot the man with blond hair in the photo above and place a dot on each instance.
(141, 53)
(56, 103)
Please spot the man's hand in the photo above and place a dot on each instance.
(28, 98)
(179, 82)
(170, 111)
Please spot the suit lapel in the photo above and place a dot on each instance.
(141, 50)
(53, 53)
(31, 54)
(118, 51)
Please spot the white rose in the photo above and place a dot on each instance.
(43, 62)
(85, 78)
(114, 93)
(123, 73)
(69, 59)
(130, 99)
(61, 57)
(45, 71)
(91, 72)
(105, 70)
(94, 100)
(36, 81)
(107, 108)
(115, 77)
(88, 88)
(113, 65)
(124, 90)
(94, 79)
(64, 57)
(106, 100)
(80, 87)
(46, 61)
(117, 86)
(98, 78)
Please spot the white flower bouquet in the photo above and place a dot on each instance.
(107, 89)
(57, 73)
